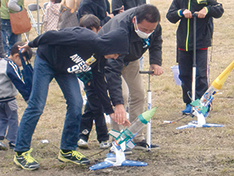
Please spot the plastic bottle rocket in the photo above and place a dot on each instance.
(124, 137)
(122, 140)
(208, 96)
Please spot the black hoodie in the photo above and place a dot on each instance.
(95, 7)
(67, 48)
(70, 50)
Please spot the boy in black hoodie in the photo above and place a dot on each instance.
(93, 107)
(60, 54)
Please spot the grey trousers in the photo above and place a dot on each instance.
(8, 118)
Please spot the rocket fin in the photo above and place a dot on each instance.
(131, 144)
(114, 133)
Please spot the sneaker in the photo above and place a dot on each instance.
(11, 145)
(82, 144)
(187, 109)
(3, 146)
(143, 145)
(104, 145)
(73, 157)
(26, 161)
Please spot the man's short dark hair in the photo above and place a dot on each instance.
(147, 12)
(90, 21)
(15, 49)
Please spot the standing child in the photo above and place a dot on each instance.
(182, 10)
(93, 108)
(51, 18)
(10, 81)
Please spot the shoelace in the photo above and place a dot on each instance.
(28, 157)
(77, 154)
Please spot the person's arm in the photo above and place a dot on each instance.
(113, 70)
(174, 13)
(116, 4)
(77, 3)
(155, 48)
(100, 86)
(67, 36)
(12, 4)
(13, 73)
(155, 51)
(214, 9)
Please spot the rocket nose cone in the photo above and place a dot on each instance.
(148, 114)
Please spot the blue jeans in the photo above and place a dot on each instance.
(42, 76)
(8, 36)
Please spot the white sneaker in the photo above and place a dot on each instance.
(82, 144)
(104, 145)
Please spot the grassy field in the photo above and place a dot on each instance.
(198, 151)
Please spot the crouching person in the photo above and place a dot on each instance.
(61, 55)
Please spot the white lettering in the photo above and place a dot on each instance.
(81, 65)
(75, 58)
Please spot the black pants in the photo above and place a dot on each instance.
(185, 60)
(93, 111)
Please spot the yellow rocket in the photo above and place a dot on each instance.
(219, 81)
(202, 105)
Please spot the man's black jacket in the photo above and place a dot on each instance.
(113, 67)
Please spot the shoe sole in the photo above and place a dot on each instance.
(18, 164)
(128, 153)
(144, 148)
(105, 147)
(61, 159)
(3, 148)
(83, 146)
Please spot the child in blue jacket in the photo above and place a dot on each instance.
(11, 80)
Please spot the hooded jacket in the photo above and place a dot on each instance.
(113, 67)
(11, 81)
(128, 4)
(71, 50)
(204, 25)
(95, 7)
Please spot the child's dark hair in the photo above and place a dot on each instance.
(90, 21)
(15, 49)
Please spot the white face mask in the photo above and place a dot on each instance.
(141, 34)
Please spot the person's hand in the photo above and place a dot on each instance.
(126, 122)
(202, 13)
(120, 115)
(121, 10)
(110, 15)
(25, 47)
(187, 13)
(157, 69)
